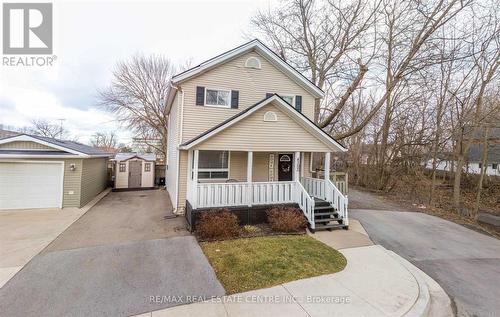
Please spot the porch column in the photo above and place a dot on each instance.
(327, 166)
(296, 166)
(194, 187)
(189, 189)
(249, 177)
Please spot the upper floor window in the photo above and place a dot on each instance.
(221, 98)
(288, 99)
(252, 62)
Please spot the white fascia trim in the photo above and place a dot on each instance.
(285, 106)
(26, 156)
(265, 52)
(32, 139)
(172, 91)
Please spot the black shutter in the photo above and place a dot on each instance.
(235, 95)
(269, 94)
(200, 96)
(298, 103)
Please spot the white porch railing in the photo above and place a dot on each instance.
(327, 191)
(210, 195)
(216, 195)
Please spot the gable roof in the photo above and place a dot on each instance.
(290, 110)
(72, 147)
(7, 133)
(260, 48)
(128, 156)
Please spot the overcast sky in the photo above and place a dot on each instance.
(90, 37)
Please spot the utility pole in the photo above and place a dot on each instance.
(61, 127)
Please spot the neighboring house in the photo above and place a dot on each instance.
(241, 135)
(6, 133)
(475, 158)
(41, 172)
(134, 170)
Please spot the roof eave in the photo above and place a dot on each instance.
(265, 52)
(327, 139)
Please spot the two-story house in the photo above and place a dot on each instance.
(241, 134)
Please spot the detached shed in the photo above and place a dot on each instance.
(134, 170)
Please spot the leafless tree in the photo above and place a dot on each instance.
(137, 95)
(106, 141)
(45, 128)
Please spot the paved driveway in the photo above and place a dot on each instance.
(464, 262)
(112, 261)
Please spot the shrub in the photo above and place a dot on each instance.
(217, 224)
(252, 229)
(286, 219)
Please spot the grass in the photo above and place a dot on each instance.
(252, 263)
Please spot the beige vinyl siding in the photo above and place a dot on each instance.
(183, 168)
(26, 145)
(252, 84)
(93, 179)
(254, 134)
(72, 183)
(171, 178)
(238, 166)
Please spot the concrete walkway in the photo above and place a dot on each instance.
(25, 233)
(375, 282)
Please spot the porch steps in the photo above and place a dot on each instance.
(325, 216)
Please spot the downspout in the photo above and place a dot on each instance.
(181, 127)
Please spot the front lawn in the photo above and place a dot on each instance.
(246, 264)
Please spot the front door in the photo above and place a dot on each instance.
(134, 174)
(285, 167)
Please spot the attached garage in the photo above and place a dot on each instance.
(39, 172)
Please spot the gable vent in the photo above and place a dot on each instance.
(253, 62)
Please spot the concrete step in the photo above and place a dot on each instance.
(322, 220)
(331, 213)
(328, 227)
(323, 208)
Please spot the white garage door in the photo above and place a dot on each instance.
(30, 185)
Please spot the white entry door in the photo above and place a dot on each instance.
(25, 185)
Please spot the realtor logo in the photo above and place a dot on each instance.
(27, 28)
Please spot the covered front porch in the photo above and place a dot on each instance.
(253, 179)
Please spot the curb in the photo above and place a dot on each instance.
(432, 299)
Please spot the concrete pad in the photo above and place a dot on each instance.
(25, 233)
(206, 309)
(123, 217)
(263, 303)
(116, 280)
(356, 226)
(341, 239)
(6, 273)
(384, 282)
(327, 287)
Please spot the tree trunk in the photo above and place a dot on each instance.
(484, 166)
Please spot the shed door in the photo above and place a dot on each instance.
(25, 185)
(134, 174)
